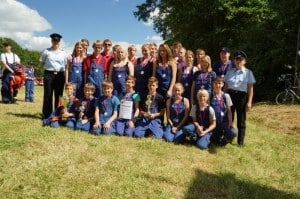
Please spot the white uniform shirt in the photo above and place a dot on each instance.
(238, 80)
(54, 60)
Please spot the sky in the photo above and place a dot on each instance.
(30, 22)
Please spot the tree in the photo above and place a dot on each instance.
(265, 29)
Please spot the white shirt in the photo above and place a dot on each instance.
(11, 58)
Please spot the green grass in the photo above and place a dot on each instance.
(41, 162)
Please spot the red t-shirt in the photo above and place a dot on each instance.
(106, 61)
(87, 62)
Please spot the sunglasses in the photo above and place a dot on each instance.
(107, 44)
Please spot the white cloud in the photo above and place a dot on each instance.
(153, 15)
(15, 24)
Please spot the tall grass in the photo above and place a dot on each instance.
(41, 162)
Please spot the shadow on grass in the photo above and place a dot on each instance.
(206, 185)
(26, 115)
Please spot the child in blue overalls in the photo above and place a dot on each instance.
(93, 67)
(29, 83)
(178, 109)
(151, 110)
(125, 126)
(65, 113)
(221, 103)
(106, 111)
(120, 68)
(74, 70)
(204, 121)
(165, 70)
(86, 109)
(203, 79)
(143, 71)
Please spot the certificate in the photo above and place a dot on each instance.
(126, 109)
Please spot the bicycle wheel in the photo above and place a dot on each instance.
(285, 97)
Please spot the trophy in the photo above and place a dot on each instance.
(82, 107)
(148, 103)
(65, 103)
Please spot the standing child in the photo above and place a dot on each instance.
(74, 68)
(221, 103)
(120, 68)
(130, 106)
(203, 79)
(178, 108)
(143, 71)
(64, 114)
(86, 109)
(29, 83)
(106, 111)
(93, 69)
(204, 121)
(151, 110)
(132, 54)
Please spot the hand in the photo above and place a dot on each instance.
(84, 121)
(248, 107)
(106, 126)
(174, 129)
(130, 124)
(96, 126)
(169, 93)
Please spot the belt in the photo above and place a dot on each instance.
(53, 72)
(236, 92)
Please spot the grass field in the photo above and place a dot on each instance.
(40, 162)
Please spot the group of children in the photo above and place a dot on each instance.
(129, 115)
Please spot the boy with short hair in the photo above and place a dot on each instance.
(65, 113)
(106, 111)
(86, 109)
(221, 103)
(130, 105)
(29, 83)
(204, 121)
(151, 111)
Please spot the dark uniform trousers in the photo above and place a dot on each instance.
(239, 101)
(53, 82)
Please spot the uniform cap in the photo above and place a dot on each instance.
(225, 49)
(240, 54)
(55, 36)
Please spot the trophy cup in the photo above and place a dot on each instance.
(65, 103)
(148, 103)
(82, 108)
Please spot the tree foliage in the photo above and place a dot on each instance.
(265, 29)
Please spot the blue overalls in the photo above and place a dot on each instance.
(29, 85)
(89, 111)
(203, 80)
(144, 123)
(76, 77)
(122, 124)
(164, 77)
(177, 112)
(142, 73)
(222, 133)
(96, 77)
(187, 81)
(107, 106)
(69, 122)
(191, 131)
(119, 75)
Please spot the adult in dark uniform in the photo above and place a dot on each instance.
(239, 84)
(54, 61)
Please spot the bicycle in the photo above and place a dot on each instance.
(287, 96)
